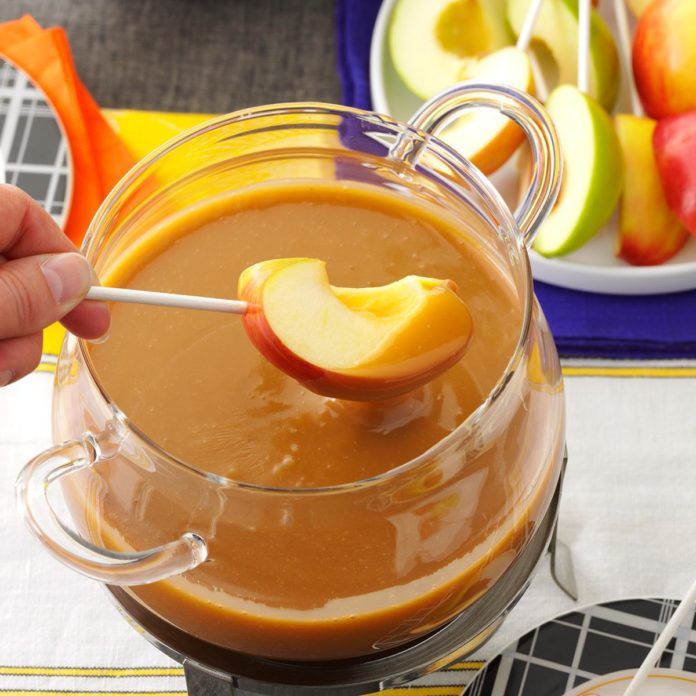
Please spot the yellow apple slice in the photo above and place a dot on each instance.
(638, 6)
(361, 344)
(483, 136)
(649, 232)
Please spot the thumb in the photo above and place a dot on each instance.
(37, 290)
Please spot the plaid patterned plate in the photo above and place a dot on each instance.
(660, 682)
(577, 647)
(34, 152)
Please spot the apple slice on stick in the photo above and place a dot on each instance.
(361, 344)
(457, 41)
(489, 140)
(593, 167)
(554, 41)
(433, 43)
(524, 39)
(638, 6)
(664, 57)
(649, 232)
(664, 60)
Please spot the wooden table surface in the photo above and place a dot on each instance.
(196, 55)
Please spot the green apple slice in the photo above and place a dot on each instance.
(433, 41)
(556, 33)
(592, 176)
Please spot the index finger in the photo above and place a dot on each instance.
(26, 228)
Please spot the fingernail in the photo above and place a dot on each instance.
(69, 277)
(6, 377)
(101, 339)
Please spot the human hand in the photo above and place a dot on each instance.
(42, 280)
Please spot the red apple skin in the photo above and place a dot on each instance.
(664, 57)
(641, 252)
(315, 378)
(674, 142)
(259, 331)
(649, 232)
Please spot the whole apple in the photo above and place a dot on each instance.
(664, 57)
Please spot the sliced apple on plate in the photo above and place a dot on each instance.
(637, 7)
(555, 43)
(360, 344)
(649, 232)
(664, 57)
(432, 42)
(483, 136)
(674, 141)
(592, 172)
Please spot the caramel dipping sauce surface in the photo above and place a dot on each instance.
(194, 383)
(332, 574)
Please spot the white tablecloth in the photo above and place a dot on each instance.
(628, 512)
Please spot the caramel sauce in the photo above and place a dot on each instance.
(297, 575)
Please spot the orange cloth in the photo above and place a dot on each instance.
(99, 158)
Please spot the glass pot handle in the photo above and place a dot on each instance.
(114, 568)
(528, 113)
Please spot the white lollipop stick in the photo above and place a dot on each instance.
(523, 41)
(661, 643)
(166, 299)
(625, 54)
(528, 25)
(584, 46)
(541, 88)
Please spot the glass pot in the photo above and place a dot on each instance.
(161, 529)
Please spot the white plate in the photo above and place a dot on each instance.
(594, 267)
(661, 682)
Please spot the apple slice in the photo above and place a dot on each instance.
(637, 7)
(649, 232)
(592, 174)
(486, 138)
(432, 41)
(361, 344)
(674, 141)
(555, 43)
(664, 57)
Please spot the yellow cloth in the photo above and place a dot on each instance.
(143, 131)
